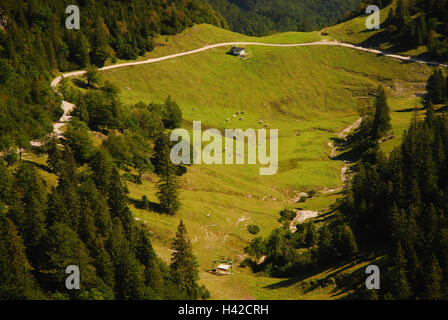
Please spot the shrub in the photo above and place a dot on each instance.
(253, 229)
(287, 215)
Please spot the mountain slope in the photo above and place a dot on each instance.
(258, 17)
(310, 93)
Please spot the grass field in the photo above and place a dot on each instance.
(308, 93)
(354, 30)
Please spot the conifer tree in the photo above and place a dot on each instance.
(184, 265)
(80, 50)
(117, 202)
(173, 114)
(168, 194)
(381, 121)
(168, 184)
(92, 75)
(55, 156)
(98, 54)
(398, 280)
(433, 290)
(430, 114)
(16, 280)
(436, 87)
(28, 211)
(128, 273)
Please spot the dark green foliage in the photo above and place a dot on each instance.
(100, 110)
(168, 185)
(287, 254)
(35, 44)
(146, 120)
(256, 17)
(437, 88)
(16, 280)
(172, 118)
(85, 219)
(287, 215)
(92, 76)
(184, 265)
(168, 194)
(420, 22)
(78, 139)
(98, 54)
(253, 229)
(397, 203)
(381, 120)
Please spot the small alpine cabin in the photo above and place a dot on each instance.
(237, 51)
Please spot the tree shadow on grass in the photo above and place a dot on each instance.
(145, 205)
(80, 83)
(410, 109)
(335, 276)
(38, 166)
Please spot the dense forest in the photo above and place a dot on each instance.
(35, 44)
(259, 17)
(398, 202)
(413, 23)
(85, 219)
(395, 206)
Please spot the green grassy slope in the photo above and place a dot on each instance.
(204, 34)
(354, 31)
(308, 93)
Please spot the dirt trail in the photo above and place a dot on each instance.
(67, 110)
(302, 215)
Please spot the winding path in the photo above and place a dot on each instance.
(68, 107)
(302, 215)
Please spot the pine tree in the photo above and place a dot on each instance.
(326, 248)
(433, 281)
(28, 211)
(6, 185)
(184, 265)
(398, 282)
(147, 256)
(430, 113)
(128, 272)
(348, 246)
(161, 159)
(80, 50)
(55, 156)
(64, 248)
(168, 185)
(16, 280)
(381, 121)
(168, 194)
(92, 75)
(436, 87)
(173, 115)
(117, 202)
(98, 54)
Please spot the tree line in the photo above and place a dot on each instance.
(259, 18)
(396, 205)
(35, 45)
(83, 220)
(420, 23)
